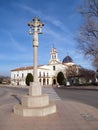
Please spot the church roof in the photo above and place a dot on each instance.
(67, 59)
(30, 68)
(23, 68)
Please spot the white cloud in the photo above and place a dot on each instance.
(11, 42)
(63, 38)
(56, 22)
(61, 35)
(15, 44)
(29, 9)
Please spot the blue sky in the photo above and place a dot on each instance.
(61, 23)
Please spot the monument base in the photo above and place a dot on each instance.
(37, 112)
(35, 104)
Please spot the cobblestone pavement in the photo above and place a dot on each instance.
(70, 115)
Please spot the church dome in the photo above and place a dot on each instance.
(67, 59)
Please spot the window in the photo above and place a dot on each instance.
(54, 56)
(39, 74)
(44, 81)
(47, 74)
(47, 81)
(44, 74)
(53, 67)
(40, 80)
(22, 75)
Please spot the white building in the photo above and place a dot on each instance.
(47, 74)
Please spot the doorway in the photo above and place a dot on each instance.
(54, 81)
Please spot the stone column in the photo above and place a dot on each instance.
(35, 56)
(35, 73)
(35, 29)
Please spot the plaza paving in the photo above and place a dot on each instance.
(70, 115)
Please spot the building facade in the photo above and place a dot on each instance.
(47, 74)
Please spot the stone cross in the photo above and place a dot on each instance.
(35, 103)
(35, 29)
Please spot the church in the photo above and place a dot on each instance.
(47, 74)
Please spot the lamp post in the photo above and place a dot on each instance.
(35, 29)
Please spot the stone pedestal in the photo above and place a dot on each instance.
(35, 104)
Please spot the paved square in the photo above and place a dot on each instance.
(70, 115)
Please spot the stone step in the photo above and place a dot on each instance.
(38, 111)
(35, 101)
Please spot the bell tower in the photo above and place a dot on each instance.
(54, 56)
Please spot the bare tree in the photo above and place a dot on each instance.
(86, 74)
(71, 71)
(72, 74)
(88, 33)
